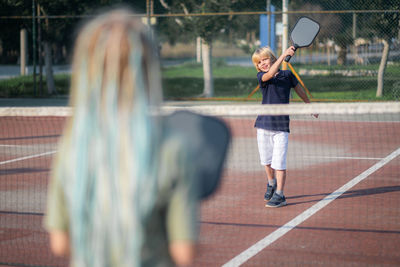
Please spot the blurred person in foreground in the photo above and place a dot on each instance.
(120, 192)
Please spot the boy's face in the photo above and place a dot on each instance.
(264, 64)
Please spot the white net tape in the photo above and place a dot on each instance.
(235, 109)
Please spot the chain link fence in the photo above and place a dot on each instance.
(343, 62)
(356, 47)
(353, 51)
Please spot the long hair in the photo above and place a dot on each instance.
(107, 159)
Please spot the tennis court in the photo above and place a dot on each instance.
(358, 227)
(342, 188)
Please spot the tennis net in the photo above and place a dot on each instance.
(342, 187)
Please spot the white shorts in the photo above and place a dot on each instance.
(272, 146)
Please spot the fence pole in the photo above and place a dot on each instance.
(23, 52)
(269, 22)
(34, 44)
(40, 57)
(285, 25)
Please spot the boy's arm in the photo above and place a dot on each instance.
(275, 67)
(302, 94)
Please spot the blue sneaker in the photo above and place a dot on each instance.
(270, 192)
(276, 201)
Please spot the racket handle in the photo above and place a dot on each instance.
(287, 58)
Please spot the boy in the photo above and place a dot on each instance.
(273, 131)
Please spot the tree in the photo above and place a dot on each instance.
(386, 26)
(383, 26)
(336, 26)
(205, 27)
(58, 34)
(10, 28)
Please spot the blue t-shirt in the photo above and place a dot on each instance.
(275, 91)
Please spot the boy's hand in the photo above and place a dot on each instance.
(289, 51)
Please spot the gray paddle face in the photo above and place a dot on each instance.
(304, 32)
(208, 138)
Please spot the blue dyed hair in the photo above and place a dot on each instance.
(107, 157)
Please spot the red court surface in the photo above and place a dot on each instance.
(358, 225)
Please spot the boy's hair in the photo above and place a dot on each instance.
(262, 52)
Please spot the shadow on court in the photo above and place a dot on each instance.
(272, 226)
(348, 194)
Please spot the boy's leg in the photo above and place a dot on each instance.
(279, 158)
(270, 172)
(279, 164)
(271, 186)
(280, 181)
(278, 199)
(265, 148)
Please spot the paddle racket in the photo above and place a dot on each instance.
(208, 138)
(303, 33)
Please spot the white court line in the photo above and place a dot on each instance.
(341, 157)
(28, 157)
(13, 145)
(269, 239)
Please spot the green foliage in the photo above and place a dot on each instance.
(9, 33)
(238, 82)
(204, 26)
(186, 80)
(23, 86)
(16, 87)
(60, 32)
(386, 23)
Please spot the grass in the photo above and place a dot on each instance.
(22, 86)
(186, 81)
(229, 81)
(234, 81)
(348, 88)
